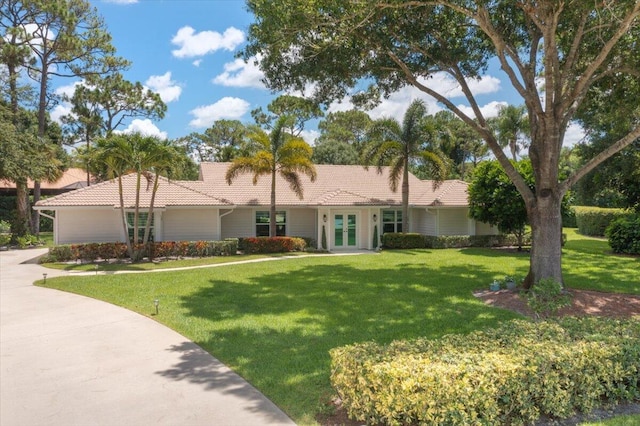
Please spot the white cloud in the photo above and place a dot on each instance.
(226, 108)
(194, 44)
(69, 89)
(396, 105)
(60, 110)
(144, 127)
(197, 62)
(163, 85)
(241, 74)
(310, 136)
(489, 110)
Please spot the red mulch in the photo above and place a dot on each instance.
(583, 303)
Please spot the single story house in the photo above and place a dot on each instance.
(349, 202)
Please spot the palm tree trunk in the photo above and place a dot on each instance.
(147, 228)
(405, 196)
(272, 210)
(124, 219)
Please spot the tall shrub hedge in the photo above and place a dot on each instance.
(509, 375)
(593, 221)
(624, 235)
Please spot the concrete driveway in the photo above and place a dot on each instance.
(70, 360)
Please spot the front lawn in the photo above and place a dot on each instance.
(274, 322)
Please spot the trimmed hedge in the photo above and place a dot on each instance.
(624, 235)
(414, 241)
(593, 221)
(509, 375)
(273, 244)
(93, 251)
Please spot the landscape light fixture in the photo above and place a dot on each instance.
(156, 303)
(96, 269)
(45, 277)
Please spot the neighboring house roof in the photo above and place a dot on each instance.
(334, 186)
(170, 193)
(72, 178)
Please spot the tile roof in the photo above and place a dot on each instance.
(170, 193)
(72, 178)
(334, 186)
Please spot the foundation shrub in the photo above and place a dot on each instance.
(94, 251)
(396, 240)
(624, 235)
(413, 241)
(594, 221)
(273, 244)
(512, 374)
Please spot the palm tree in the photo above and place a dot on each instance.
(147, 157)
(115, 153)
(398, 146)
(276, 153)
(512, 127)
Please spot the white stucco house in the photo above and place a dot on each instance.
(348, 201)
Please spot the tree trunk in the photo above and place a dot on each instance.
(405, 197)
(124, 218)
(35, 219)
(272, 210)
(21, 224)
(546, 234)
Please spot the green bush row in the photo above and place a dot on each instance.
(509, 375)
(93, 251)
(593, 221)
(624, 235)
(413, 241)
(273, 244)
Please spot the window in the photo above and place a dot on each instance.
(142, 224)
(262, 224)
(391, 221)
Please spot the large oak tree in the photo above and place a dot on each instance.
(553, 53)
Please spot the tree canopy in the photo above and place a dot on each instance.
(553, 53)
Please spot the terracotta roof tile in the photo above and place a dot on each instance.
(72, 178)
(334, 186)
(170, 193)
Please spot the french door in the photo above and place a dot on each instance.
(344, 228)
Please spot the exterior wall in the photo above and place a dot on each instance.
(190, 225)
(89, 226)
(240, 223)
(453, 221)
(301, 223)
(426, 222)
(485, 229)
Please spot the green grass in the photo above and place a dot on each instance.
(274, 322)
(627, 420)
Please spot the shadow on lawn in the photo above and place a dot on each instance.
(277, 329)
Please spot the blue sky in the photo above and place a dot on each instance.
(184, 50)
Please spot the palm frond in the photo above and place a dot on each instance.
(294, 182)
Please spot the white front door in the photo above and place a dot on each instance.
(344, 230)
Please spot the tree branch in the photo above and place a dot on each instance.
(598, 159)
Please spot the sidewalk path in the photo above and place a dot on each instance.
(70, 360)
